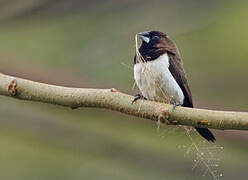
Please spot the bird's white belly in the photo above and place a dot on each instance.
(155, 81)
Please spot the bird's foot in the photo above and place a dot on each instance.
(137, 97)
(175, 104)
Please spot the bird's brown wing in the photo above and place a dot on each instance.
(177, 71)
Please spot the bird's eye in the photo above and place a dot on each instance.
(155, 37)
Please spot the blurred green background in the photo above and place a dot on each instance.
(81, 43)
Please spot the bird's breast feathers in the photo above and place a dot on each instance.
(156, 82)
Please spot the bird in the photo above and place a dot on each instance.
(160, 76)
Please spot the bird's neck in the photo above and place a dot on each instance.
(150, 53)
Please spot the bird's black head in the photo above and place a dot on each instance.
(154, 44)
(151, 38)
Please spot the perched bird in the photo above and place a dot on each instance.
(159, 74)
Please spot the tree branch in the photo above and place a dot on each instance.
(117, 101)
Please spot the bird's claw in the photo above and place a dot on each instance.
(174, 105)
(137, 97)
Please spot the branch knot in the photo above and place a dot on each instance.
(12, 88)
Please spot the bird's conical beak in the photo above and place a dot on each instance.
(144, 36)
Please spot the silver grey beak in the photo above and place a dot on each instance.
(144, 36)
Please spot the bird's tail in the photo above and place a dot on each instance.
(206, 133)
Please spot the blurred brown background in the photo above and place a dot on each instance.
(81, 43)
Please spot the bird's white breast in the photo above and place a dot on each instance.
(155, 81)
